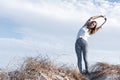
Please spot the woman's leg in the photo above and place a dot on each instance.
(79, 55)
(85, 50)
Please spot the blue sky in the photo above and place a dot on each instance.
(8, 28)
(49, 27)
(114, 0)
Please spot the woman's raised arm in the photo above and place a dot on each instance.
(103, 22)
(100, 27)
(93, 18)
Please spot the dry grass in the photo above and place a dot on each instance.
(105, 71)
(42, 68)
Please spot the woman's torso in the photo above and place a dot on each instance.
(83, 33)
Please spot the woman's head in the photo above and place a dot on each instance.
(92, 24)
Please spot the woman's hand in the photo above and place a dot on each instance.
(103, 17)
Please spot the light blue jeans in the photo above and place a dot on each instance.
(81, 47)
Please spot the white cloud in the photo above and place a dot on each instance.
(51, 26)
(13, 48)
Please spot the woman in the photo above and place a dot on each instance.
(89, 28)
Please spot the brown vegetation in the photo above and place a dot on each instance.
(105, 71)
(41, 68)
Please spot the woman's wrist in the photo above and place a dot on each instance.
(105, 19)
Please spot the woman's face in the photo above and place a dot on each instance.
(92, 25)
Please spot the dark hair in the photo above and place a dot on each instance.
(92, 30)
